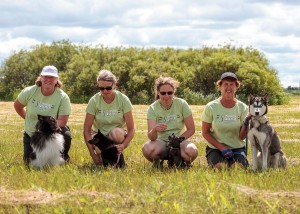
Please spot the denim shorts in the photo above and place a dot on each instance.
(214, 156)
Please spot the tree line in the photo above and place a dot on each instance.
(197, 70)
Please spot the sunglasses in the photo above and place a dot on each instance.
(166, 92)
(105, 88)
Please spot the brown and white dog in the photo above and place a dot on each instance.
(265, 143)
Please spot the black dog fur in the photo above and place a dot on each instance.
(47, 143)
(45, 128)
(109, 152)
(174, 154)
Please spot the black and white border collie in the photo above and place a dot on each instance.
(47, 143)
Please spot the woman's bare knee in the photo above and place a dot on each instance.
(189, 151)
(117, 135)
(153, 150)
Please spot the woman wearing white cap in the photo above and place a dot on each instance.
(223, 125)
(48, 99)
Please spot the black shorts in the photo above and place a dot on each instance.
(214, 156)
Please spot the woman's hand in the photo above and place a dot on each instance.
(247, 119)
(160, 127)
(154, 128)
(96, 159)
(120, 147)
(227, 153)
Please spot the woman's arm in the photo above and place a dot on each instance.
(130, 128)
(190, 127)
(245, 125)
(154, 128)
(87, 131)
(20, 108)
(62, 120)
(207, 136)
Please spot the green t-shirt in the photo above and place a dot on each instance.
(36, 103)
(108, 116)
(173, 117)
(226, 122)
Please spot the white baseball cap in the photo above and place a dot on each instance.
(49, 70)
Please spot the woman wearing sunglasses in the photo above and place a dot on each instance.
(166, 116)
(109, 111)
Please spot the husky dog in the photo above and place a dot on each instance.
(265, 143)
(47, 143)
(109, 152)
(174, 154)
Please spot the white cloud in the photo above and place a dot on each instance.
(270, 26)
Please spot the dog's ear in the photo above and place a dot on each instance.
(250, 98)
(171, 137)
(99, 131)
(266, 97)
(40, 117)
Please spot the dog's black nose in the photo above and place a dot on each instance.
(256, 113)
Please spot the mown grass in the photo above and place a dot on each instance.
(80, 187)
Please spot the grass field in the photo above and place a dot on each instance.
(80, 187)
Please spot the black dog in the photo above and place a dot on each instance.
(109, 152)
(47, 143)
(174, 154)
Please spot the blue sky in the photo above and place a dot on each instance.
(270, 26)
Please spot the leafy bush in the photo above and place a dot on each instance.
(197, 70)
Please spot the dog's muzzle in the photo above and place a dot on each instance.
(256, 111)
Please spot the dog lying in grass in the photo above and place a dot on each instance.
(47, 143)
(109, 152)
(265, 143)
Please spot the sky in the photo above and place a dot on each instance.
(270, 26)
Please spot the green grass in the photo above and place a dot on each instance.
(80, 187)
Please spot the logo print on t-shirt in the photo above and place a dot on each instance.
(42, 106)
(227, 118)
(168, 119)
(109, 113)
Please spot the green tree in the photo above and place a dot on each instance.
(197, 70)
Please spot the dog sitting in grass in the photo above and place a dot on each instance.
(174, 155)
(265, 143)
(47, 143)
(109, 152)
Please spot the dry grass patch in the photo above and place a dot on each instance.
(265, 193)
(40, 196)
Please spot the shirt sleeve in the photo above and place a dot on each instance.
(24, 96)
(151, 113)
(127, 105)
(65, 106)
(207, 115)
(91, 107)
(187, 111)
